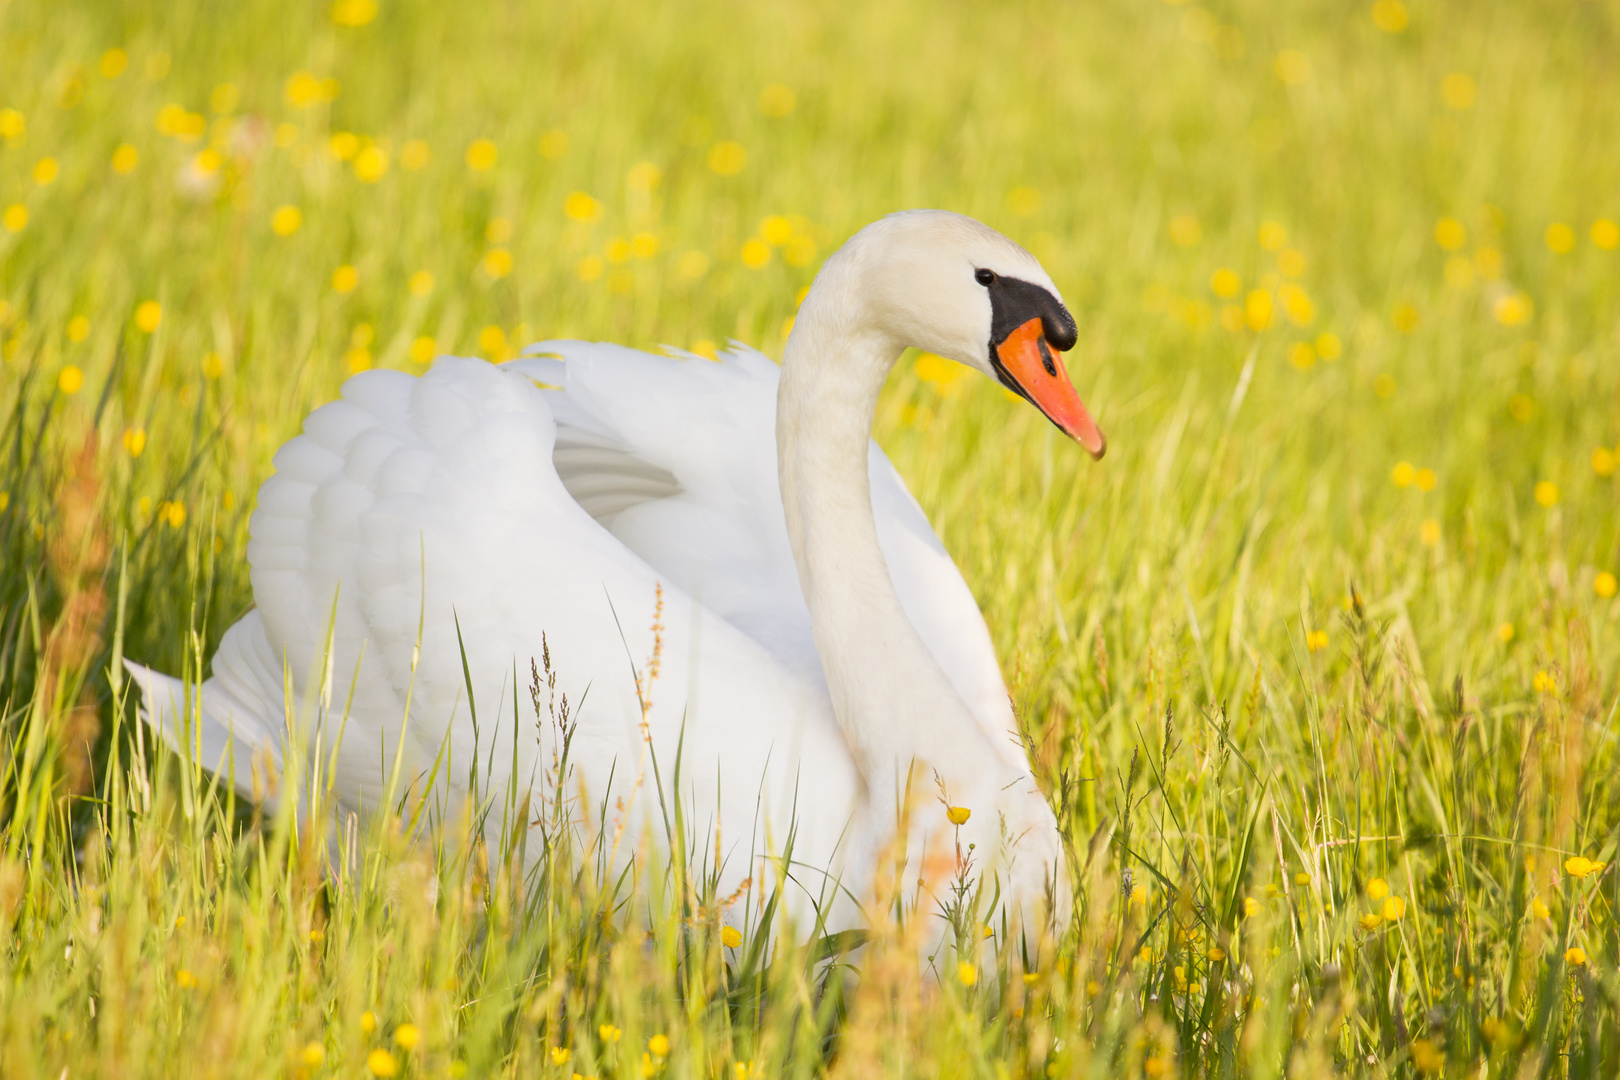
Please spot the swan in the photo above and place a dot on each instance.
(718, 562)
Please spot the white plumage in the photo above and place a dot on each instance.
(486, 509)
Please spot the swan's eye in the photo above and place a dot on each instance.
(984, 277)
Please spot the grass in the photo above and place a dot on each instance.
(1332, 626)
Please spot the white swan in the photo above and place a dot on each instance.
(817, 641)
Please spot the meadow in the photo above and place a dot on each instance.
(1320, 666)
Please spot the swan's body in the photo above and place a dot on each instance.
(813, 650)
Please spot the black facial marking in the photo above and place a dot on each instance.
(1013, 303)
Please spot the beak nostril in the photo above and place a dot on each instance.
(1046, 358)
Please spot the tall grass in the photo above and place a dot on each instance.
(1319, 667)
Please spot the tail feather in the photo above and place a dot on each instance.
(223, 735)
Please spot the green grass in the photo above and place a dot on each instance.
(1242, 652)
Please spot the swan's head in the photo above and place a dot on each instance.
(949, 285)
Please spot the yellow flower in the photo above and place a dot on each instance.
(148, 315)
(185, 979)
(1390, 16)
(1384, 386)
(1031, 978)
(581, 207)
(776, 101)
(496, 263)
(371, 164)
(644, 245)
(727, 158)
(1450, 234)
(755, 254)
(1560, 238)
(1605, 234)
(1302, 356)
(1424, 480)
(492, 339)
(730, 937)
(1513, 309)
(1546, 493)
(382, 1063)
(1225, 283)
(415, 155)
(1505, 632)
(1328, 346)
(659, 1045)
(966, 974)
(1538, 908)
(421, 283)
(70, 380)
(45, 170)
(423, 348)
(125, 158)
(1139, 895)
(1394, 908)
(1580, 866)
(1257, 309)
(212, 366)
(1458, 91)
(608, 1033)
(314, 1053)
(1404, 317)
(1604, 584)
(354, 13)
(1428, 1057)
(343, 145)
(1156, 1067)
(1251, 907)
(286, 220)
(1215, 954)
(1370, 921)
(113, 63)
(1315, 641)
(1575, 957)
(1429, 532)
(482, 155)
(589, 268)
(134, 441)
(1522, 407)
(15, 219)
(1302, 879)
(958, 815)
(368, 1021)
(1403, 474)
(12, 124)
(618, 251)
(649, 1067)
(560, 1055)
(407, 1036)
(1377, 889)
(1271, 236)
(345, 279)
(1544, 683)
(1493, 1029)
(1604, 461)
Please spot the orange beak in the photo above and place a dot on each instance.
(1036, 371)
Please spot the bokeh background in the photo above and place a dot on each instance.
(1333, 624)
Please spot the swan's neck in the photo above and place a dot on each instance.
(894, 703)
